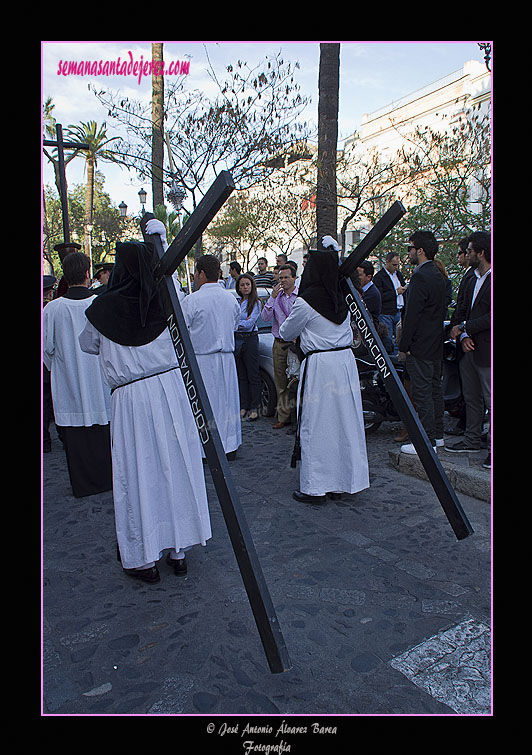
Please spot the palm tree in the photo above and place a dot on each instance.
(96, 137)
(328, 86)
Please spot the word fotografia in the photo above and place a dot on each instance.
(278, 749)
(126, 67)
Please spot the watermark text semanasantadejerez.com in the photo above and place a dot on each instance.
(119, 67)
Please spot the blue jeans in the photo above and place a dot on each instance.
(391, 322)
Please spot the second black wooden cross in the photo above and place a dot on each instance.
(435, 472)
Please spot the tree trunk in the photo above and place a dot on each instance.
(89, 198)
(328, 92)
(157, 114)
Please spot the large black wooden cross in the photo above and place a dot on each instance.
(442, 487)
(244, 549)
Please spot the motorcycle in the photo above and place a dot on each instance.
(376, 403)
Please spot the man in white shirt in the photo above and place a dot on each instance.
(391, 284)
(212, 315)
(80, 395)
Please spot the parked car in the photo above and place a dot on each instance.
(268, 392)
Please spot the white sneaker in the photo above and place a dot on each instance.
(409, 449)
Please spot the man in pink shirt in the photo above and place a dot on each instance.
(276, 310)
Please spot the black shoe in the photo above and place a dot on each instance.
(150, 575)
(335, 496)
(461, 447)
(179, 565)
(304, 498)
(231, 456)
(487, 462)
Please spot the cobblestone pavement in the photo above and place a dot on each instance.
(382, 610)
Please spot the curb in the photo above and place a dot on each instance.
(464, 479)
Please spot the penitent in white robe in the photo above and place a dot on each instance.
(82, 400)
(212, 315)
(80, 395)
(333, 442)
(159, 490)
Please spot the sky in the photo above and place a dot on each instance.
(372, 75)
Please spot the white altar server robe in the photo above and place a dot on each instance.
(212, 315)
(80, 395)
(159, 491)
(333, 442)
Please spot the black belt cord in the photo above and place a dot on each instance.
(145, 377)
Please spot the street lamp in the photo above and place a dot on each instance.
(123, 209)
(142, 197)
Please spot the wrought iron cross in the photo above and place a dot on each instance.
(61, 146)
(241, 540)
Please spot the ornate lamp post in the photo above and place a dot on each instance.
(176, 196)
(142, 197)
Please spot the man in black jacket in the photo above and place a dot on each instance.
(370, 293)
(463, 261)
(422, 336)
(474, 332)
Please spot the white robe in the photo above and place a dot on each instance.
(212, 315)
(333, 442)
(159, 491)
(80, 395)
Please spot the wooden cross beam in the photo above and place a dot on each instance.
(440, 483)
(241, 540)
